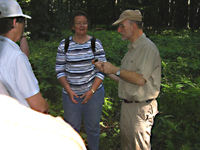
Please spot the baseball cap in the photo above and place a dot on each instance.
(10, 8)
(129, 14)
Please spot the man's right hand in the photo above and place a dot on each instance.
(98, 65)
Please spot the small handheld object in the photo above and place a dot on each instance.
(96, 60)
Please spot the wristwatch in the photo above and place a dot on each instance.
(118, 72)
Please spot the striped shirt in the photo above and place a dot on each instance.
(76, 64)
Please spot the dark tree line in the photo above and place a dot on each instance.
(53, 16)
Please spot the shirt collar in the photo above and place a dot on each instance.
(137, 42)
(12, 43)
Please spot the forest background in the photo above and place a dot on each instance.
(173, 25)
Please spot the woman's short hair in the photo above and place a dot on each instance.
(79, 13)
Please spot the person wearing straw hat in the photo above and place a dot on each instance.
(16, 73)
(139, 82)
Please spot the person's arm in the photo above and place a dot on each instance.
(60, 70)
(88, 95)
(129, 76)
(99, 76)
(114, 77)
(38, 103)
(132, 77)
(99, 65)
(63, 81)
(97, 82)
(24, 45)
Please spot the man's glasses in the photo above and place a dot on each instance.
(81, 24)
(121, 26)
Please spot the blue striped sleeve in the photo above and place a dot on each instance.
(60, 60)
(100, 55)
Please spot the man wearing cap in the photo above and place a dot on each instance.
(139, 82)
(16, 73)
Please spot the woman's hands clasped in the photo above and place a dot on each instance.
(87, 95)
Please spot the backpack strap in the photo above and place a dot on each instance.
(66, 44)
(93, 40)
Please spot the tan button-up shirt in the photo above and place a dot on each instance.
(142, 57)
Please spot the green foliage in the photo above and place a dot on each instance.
(176, 126)
(53, 16)
(43, 58)
(110, 137)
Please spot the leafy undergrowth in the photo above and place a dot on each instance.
(176, 126)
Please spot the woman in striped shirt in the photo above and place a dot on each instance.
(83, 92)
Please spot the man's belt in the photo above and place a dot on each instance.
(126, 101)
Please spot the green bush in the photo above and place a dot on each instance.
(176, 126)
